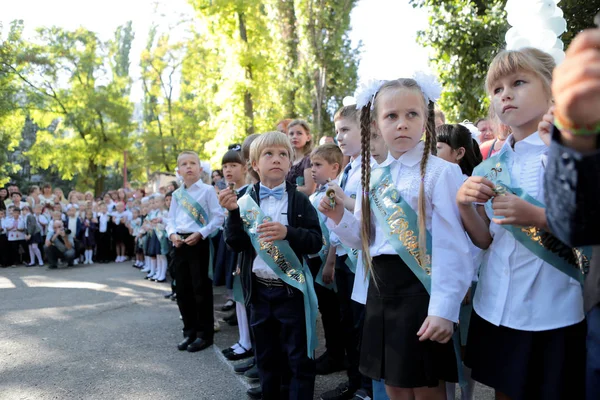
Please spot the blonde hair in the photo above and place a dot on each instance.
(188, 153)
(269, 139)
(329, 152)
(347, 112)
(300, 122)
(366, 118)
(532, 60)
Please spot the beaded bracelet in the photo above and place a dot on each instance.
(564, 124)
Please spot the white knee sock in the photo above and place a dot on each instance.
(38, 254)
(31, 255)
(243, 325)
(162, 267)
(152, 266)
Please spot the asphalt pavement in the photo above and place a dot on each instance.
(102, 332)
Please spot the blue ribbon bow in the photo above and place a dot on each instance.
(266, 192)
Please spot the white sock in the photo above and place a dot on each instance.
(31, 255)
(162, 269)
(91, 254)
(152, 267)
(243, 326)
(38, 254)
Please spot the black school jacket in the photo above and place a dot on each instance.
(303, 233)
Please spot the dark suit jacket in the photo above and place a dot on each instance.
(573, 205)
(303, 233)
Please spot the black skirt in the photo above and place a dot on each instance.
(36, 238)
(396, 308)
(547, 365)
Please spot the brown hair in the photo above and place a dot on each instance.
(285, 123)
(430, 141)
(532, 60)
(347, 112)
(246, 154)
(440, 114)
(329, 152)
(269, 139)
(309, 145)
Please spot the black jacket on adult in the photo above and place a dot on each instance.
(303, 233)
(572, 205)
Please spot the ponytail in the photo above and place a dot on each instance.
(365, 151)
(430, 147)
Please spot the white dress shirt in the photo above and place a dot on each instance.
(118, 216)
(15, 229)
(315, 199)
(516, 288)
(451, 261)
(277, 211)
(179, 221)
(102, 222)
(352, 190)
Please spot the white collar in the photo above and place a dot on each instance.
(410, 158)
(533, 140)
(356, 162)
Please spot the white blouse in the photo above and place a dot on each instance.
(452, 266)
(516, 288)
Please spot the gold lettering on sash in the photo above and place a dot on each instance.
(188, 206)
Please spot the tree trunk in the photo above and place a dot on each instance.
(248, 102)
(288, 22)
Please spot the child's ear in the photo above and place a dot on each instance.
(254, 164)
(460, 153)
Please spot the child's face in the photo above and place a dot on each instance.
(144, 210)
(16, 213)
(322, 171)
(89, 215)
(400, 119)
(168, 201)
(298, 136)
(136, 214)
(107, 198)
(35, 192)
(37, 210)
(3, 193)
(189, 167)
(2, 214)
(71, 212)
(520, 99)
(103, 208)
(348, 136)
(120, 207)
(57, 216)
(16, 198)
(57, 207)
(273, 164)
(58, 193)
(379, 150)
(234, 172)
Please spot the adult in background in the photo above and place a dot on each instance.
(440, 118)
(3, 198)
(573, 175)
(493, 146)
(485, 128)
(59, 245)
(46, 197)
(300, 174)
(326, 140)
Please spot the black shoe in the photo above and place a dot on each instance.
(174, 297)
(185, 343)
(199, 345)
(233, 356)
(159, 280)
(327, 365)
(362, 394)
(228, 306)
(52, 267)
(168, 295)
(342, 392)
(255, 393)
(245, 366)
(252, 374)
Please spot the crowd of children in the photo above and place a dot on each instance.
(405, 254)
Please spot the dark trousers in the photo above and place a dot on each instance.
(19, 252)
(329, 307)
(593, 354)
(171, 267)
(279, 327)
(352, 319)
(102, 246)
(54, 254)
(4, 251)
(194, 290)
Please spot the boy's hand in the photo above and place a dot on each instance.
(437, 329)
(193, 238)
(576, 82)
(328, 273)
(271, 231)
(336, 213)
(476, 189)
(175, 239)
(515, 211)
(228, 199)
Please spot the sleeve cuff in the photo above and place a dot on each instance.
(444, 308)
(343, 225)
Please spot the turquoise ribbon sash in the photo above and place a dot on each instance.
(280, 257)
(572, 262)
(400, 224)
(325, 249)
(195, 211)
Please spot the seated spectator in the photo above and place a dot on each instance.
(59, 244)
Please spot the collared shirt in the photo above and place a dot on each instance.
(102, 222)
(451, 261)
(277, 211)
(352, 190)
(315, 199)
(180, 221)
(516, 288)
(118, 216)
(72, 225)
(15, 229)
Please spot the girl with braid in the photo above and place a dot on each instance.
(415, 251)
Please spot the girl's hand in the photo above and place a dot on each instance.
(338, 190)
(328, 273)
(336, 213)
(437, 329)
(576, 82)
(476, 189)
(545, 126)
(228, 199)
(271, 231)
(516, 211)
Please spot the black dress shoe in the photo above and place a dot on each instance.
(198, 345)
(168, 295)
(326, 365)
(233, 356)
(252, 374)
(244, 366)
(229, 305)
(255, 393)
(185, 343)
(174, 297)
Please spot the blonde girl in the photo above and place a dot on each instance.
(300, 174)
